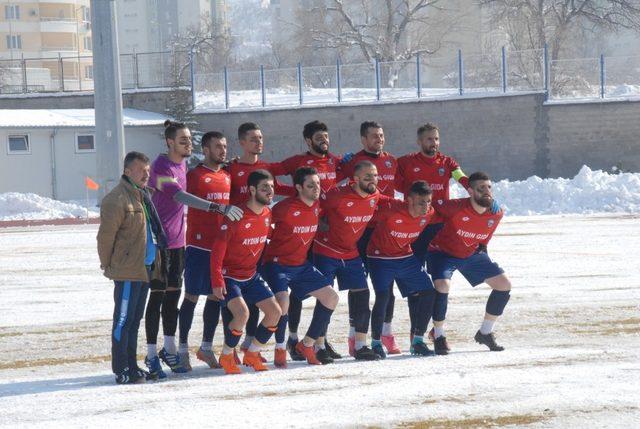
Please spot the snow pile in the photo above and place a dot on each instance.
(17, 206)
(589, 192)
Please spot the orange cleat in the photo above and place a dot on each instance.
(280, 358)
(228, 363)
(308, 352)
(254, 360)
(244, 350)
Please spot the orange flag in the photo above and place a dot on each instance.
(90, 184)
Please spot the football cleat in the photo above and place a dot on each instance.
(185, 361)
(262, 358)
(291, 347)
(441, 346)
(172, 360)
(377, 349)
(389, 343)
(155, 369)
(308, 352)
(323, 356)
(228, 363)
(351, 343)
(123, 377)
(236, 358)
(488, 340)
(432, 337)
(254, 360)
(208, 357)
(365, 353)
(280, 358)
(332, 352)
(419, 348)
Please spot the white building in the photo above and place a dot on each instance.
(50, 152)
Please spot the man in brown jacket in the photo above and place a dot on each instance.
(130, 238)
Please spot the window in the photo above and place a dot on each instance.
(14, 42)
(85, 143)
(87, 43)
(88, 72)
(18, 144)
(12, 12)
(86, 14)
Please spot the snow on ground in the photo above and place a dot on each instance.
(17, 206)
(571, 332)
(588, 192)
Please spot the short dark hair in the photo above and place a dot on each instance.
(478, 176)
(210, 135)
(135, 156)
(364, 127)
(171, 128)
(302, 173)
(258, 176)
(421, 188)
(365, 163)
(243, 129)
(313, 127)
(429, 126)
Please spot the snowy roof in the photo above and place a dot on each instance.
(71, 118)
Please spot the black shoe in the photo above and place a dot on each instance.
(488, 340)
(440, 346)
(138, 376)
(365, 353)
(323, 356)
(123, 377)
(332, 352)
(377, 349)
(291, 346)
(421, 349)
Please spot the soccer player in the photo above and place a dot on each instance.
(316, 137)
(461, 245)
(397, 225)
(372, 140)
(235, 253)
(169, 181)
(129, 238)
(210, 182)
(347, 211)
(286, 266)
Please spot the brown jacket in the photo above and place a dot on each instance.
(122, 236)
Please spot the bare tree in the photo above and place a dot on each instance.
(532, 24)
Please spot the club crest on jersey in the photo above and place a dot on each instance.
(248, 225)
(350, 204)
(387, 164)
(330, 161)
(422, 222)
(372, 203)
(227, 180)
(296, 213)
(465, 219)
(207, 180)
(490, 223)
(440, 202)
(315, 211)
(240, 173)
(441, 171)
(266, 221)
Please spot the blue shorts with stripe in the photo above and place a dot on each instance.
(410, 275)
(302, 279)
(476, 268)
(350, 273)
(197, 271)
(252, 291)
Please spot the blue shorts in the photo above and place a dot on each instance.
(197, 271)
(302, 279)
(476, 268)
(349, 272)
(421, 244)
(252, 291)
(410, 275)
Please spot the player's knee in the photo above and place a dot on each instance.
(241, 315)
(442, 286)
(283, 301)
(331, 300)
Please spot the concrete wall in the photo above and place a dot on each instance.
(494, 134)
(33, 172)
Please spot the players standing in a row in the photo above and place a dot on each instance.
(235, 252)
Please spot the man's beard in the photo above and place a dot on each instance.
(430, 151)
(484, 202)
(318, 148)
(369, 189)
(263, 200)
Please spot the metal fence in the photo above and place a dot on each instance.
(457, 74)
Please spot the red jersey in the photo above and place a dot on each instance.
(384, 162)
(295, 227)
(395, 230)
(464, 228)
(240, 171)
(327, 167)
(435, 171)
(237, 247)
(212, 186)
(347, 214)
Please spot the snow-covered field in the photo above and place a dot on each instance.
(571, 329)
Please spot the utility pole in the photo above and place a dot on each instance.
(107, 99)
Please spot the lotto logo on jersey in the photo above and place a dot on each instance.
(227, 179)
(441, 171)
(207, 180)
(315, 211)
(350, 204)
(415, 170)
(465, 219)
(398, 220)
(296, 213)
(240, 173)
(248, 225)
(266, 221)
(309, 162)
